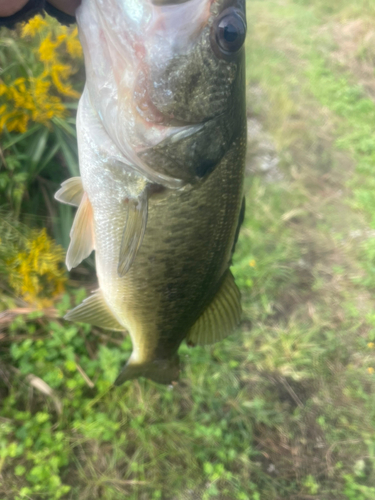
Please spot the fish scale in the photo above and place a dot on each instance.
(160, 202)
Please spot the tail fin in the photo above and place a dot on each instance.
(162, 371)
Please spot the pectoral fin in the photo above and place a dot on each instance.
(221, 317)
(71, 192)
(134, 231)
(95, 311)
(81, 234)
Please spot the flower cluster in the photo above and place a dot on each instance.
(40, 93)
(36, 273)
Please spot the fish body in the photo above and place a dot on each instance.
(162, 138)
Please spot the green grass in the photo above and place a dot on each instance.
(284, 409)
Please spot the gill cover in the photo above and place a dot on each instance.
(120, 41)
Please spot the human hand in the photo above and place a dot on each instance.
(8, 8)
(67, 6)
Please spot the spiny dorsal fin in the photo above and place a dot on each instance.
(81, 234)
(221, 317)
(134, 231)
(95, 311)
(71, 192)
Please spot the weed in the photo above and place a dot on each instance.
(285, 407)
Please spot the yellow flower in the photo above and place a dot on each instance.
(39, 96)
(252, 263)
(34, 26)
(73, 45)
(61, 72)
(370, 370)
(17, 124)
(370, 345)
(47, 50)
(62, 37)
(3, 88)
(37, 273)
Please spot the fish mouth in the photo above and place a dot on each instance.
(121, 39)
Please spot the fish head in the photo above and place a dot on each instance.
(167, 79)
(193, 56)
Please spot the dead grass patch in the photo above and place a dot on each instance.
(355, 50)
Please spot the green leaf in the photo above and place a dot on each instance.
(51, 153)
(15, 139)
(39, 145)
(70, 157)
(64, 125)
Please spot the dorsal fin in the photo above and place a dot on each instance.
(81, 234)
(71, 192)
(95, 311)
(134, 231)
(221, 317)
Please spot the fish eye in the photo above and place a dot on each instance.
(230, 31)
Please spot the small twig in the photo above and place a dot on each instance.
(86, 378)
(292, 393)
(5, 375)
(8, 316)
(2, 157)
(304, 497)
(107, 338)
(49, 312)
(42, 387)
(92, 354)
(332, 447)
(4, 419)
(124, 482)
(47, 200)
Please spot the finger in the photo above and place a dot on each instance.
(67, 6)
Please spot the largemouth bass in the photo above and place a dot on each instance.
(162, 136)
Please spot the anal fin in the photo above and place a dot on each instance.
(221, 317)
(81, 234)
(95, 311)
(134, 231)
(71, 192)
